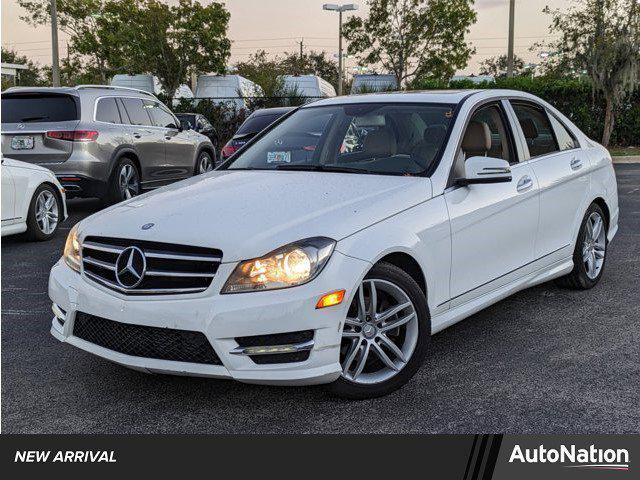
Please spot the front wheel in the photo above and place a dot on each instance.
(590, 252)
(44, 214)
(125, 182)
(386, 334)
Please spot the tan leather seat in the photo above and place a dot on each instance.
(477, 140)
(380, 143)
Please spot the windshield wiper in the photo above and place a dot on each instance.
(322, 168)
(33, 119)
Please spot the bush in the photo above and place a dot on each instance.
(573, 97)
(226, 118)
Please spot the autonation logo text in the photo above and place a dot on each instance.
(591, 458)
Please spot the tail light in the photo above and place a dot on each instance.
(73, 135)
(228, 150)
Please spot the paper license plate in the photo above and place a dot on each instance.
(278, 157)
(22, 143)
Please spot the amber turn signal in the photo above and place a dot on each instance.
(330, 299)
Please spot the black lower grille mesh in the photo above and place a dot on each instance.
(144, 341)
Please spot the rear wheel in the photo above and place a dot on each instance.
(44, 214)
(125, 182)
(205, 163)
(385, 336)
(590, 253)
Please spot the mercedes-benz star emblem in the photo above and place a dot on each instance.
(21, 126)
(131, 266)
(147, 226)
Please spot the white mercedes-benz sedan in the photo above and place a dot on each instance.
(334, 244)
(33, 201)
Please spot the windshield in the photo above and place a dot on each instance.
(391, 139)
(257, 123)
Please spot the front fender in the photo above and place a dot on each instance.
(423, 232)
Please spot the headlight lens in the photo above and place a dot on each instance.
(72, 250)
(288, 266)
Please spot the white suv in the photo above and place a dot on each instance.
(333, 245)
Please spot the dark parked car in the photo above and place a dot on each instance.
(255, 123)
(199, 123)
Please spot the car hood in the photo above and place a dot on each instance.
(247, 214)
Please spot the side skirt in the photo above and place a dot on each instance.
(498, 292)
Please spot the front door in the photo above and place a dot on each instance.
(8, 194)
(493, 226)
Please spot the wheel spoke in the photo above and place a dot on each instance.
(585, 253)
(397, 323)
(350, 335)
(590, 263)
(354, 322)
(384, 357)
(355, 347)
(393, 347)
(392, 311)
(598, 250)
(373, 299)
(362, 308)
(362, 360)
(597, 228)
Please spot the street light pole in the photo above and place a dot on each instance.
(511, 33)
(340, 9)
(55, 60)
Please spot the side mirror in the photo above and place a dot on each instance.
(485, 170)
(184, 125)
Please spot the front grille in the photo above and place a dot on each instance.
(170, 268)
(145, 341)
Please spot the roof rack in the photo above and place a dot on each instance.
(115, 87)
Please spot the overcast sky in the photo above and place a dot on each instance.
(278, 25)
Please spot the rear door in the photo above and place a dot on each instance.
(8, 194)
(147, 140)
(26, 119)
(561, 170)
(179, 146)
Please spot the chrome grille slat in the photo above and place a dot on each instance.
(170, 269)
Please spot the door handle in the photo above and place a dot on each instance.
(167, 137)
(137, 135)
(524, 184)
(576, 163)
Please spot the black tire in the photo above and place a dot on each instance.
(348, 389)
(578, 279)
(34, 231)
(115, 192)
(201, 155)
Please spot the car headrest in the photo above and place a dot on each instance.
(434, 134)
(529, 128)
(380, 143)
(477, 137)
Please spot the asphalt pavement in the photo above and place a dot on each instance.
(545, 360)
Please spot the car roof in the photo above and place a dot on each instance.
(414, 96)
(83, 88)
(272, 111)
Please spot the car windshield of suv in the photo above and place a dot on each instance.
(257, 123)
(38, 107)
(388, 139)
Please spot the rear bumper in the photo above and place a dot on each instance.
(82, 174)
(78, 185)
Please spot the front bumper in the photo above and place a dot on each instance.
(221, 318)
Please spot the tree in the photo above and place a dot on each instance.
(143, 36)
(497, 66)
(601, 38)
(413, 37)
(30, 77)
(265, 72)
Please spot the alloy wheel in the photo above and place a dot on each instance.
(128, 181)
(380, 333)
(205, 164)
(594, 245)
(47, 212)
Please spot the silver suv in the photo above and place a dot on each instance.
(101, 141)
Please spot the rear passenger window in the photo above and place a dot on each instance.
(487, 135)
(137, 114)
(566, 140)
(107, 111)
(536, 128)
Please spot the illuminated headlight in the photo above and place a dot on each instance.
(72, 250)
(288, 266)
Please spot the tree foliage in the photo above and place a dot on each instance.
(31, 77)
(497, 66)
(413, 37)
(142, 36)
(601, 38)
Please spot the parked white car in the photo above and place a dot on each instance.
(335, 263)
(33, 200)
